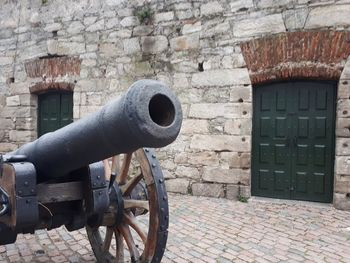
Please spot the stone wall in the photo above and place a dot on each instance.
(193, 46)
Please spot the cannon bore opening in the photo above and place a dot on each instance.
(161, 110)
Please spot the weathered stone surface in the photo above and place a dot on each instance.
(188, 172)
(7, 147)
(235, 160)
(162, 17)
(185, 42)
(342, 164)
(344, 89)
(219, 78)
(211, 8)
(221, 143)
(21, 136)
(273, 3)
(233, 192)
(238, 126)
(6, 61)
(69, 48)
(214, 110)
(241, 94)
(129, 21)
(190, 126)
(75, 27)
(210, 190)
(325, 16)
(142, 30)
(241, 5)
(264, 25)
(295, 18)
(343, 127)
(203, 159)
(13, 101)
(227, 176)
(192, 28)
(99, 25)
(131, 46)
(343, 146)
(178, 185)
(154, 45)
(341, 201)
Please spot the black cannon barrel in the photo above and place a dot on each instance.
(147, 115)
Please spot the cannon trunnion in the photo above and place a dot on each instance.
(100, 173)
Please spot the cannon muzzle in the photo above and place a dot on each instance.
(147, 115)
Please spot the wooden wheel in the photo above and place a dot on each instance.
(140, 235)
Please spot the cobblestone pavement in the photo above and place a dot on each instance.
(217, 230)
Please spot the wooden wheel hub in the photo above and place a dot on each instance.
(135, 227)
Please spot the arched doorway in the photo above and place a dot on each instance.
(55, 110)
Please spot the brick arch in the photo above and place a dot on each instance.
(297, 55)
(44, 87)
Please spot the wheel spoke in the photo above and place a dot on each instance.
(120, 246)
(115, 164)
(125, 231)
(130, 185)
(132, 221)
(125, 168)
(131, 203)
(108, 239)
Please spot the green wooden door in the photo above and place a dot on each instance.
(293, 140)
(55, 111)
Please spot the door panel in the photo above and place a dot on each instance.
(54, 111)
(295, 139)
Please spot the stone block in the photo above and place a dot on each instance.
(342, 146)
(131, 45)
(226, 176)
(235, 160)
(187, 172)
(6, 147)
(345, 75)
(11, 112)
(69, 48)
(178, 185)
(233, 192)
(225, 110)
(203, 158)
(112, 23)
(341, 201)
(6, 61)
(342, 165)
(192, 28)
(27, 124)
(213, 7)
(142, 30)
(210, 31)
(154, 44)
(13, 100)
(342, 184)
(221, 143)
(328, 16)
(190, 126)
(224, 77)
(21, 136)
(238, 126)
(185, 42)
(99, 25)
(270, 24)
(241, 94)
(162, 17)
(7, 124)
(343, 127)
(53, 27)
(344, 89)
(181, 158)
(75, 27)
(343, 108)
(168, 175)
(241, 5)
(273, 3)
(111, 49)
(295, 18)
(129, 21)
(209, 190)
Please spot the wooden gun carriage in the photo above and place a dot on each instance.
(60, 178)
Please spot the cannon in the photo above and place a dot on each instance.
(98, 173)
